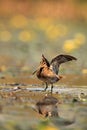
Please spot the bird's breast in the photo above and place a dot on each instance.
(47, 76)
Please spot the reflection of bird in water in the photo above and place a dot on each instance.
(48, 106)
(48, 72)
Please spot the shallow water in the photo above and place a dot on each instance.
(18, 96)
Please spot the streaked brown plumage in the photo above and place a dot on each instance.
(48, 72)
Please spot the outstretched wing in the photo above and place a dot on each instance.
(45, 60)
(55, 63)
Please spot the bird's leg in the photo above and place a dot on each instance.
(51, 88)
(46, 87)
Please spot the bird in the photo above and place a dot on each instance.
(48, 106)
(48, 71)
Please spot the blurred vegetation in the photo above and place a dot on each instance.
(29, 28)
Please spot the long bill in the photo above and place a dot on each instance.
(34, 72)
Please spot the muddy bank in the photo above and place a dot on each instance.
(18, 109)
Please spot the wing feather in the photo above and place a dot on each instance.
(55, 62)
(45, 60)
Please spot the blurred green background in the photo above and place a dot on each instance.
(30, 28)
